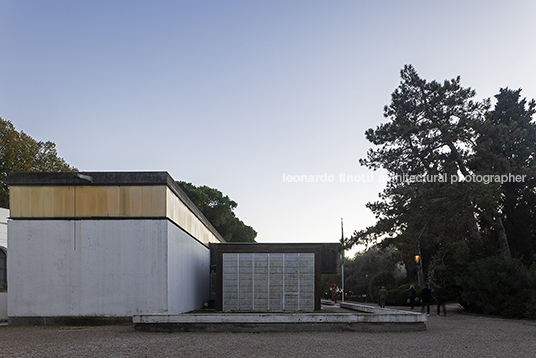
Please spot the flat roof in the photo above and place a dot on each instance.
(90, 178)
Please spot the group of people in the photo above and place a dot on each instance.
(332, 293)
(426, 298)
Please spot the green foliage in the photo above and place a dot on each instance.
(530, 311)
(507, 144)
(436, 130)
(494, 286)
(445, 268)
(21, 153)
(399, 296)
(360, 270)
(219, 210)
(429, 135)
(382, 279)
(406, 281)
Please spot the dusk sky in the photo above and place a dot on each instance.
(239, 95)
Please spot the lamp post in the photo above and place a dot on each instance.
(342, 262)
(366, 294)
(419, 270)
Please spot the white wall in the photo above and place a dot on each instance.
(3, 306)
(188, 271)
(85, 268)
(4, 213)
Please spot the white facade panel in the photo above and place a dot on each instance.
(261, 279)
(87, 268)
(4, 213)
(3, 306)
(188, 271)
(246, 285)
(230, 294)
(276, 295)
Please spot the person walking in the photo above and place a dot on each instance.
(334, 293)
(383, 296)
(426, 297)
(412, 294)
(442, 297)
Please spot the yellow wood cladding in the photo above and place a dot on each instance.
(106, 201)
(87, 201)
(179, 213)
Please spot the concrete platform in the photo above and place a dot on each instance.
(352, 317)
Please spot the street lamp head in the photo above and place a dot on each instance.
(417, 259)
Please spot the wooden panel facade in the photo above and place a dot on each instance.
(87, 201)
(178, 212)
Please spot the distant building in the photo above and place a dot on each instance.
(4, 213)
(86, 246)
(271, 277)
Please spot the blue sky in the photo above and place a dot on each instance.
(235, 94)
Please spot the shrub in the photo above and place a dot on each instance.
(530, 311)
(404, 280)
(530, 307)
(399, 296)
(383, 279)
(494, 286)
(445, 270)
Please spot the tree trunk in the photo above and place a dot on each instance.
(495, 220)
(420, 274)
(474, 233)
(501, 233)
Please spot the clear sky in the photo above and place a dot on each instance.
(237, 95)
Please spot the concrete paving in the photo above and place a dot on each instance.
(456, 335)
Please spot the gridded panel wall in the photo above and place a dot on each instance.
(268, 281)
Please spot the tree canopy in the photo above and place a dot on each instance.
(21, 153)
(507, 144)
(461, 177)
(219, 210)
(436, 135)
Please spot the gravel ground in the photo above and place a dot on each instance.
(456, 335)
